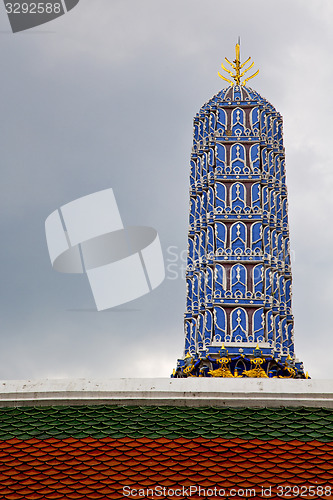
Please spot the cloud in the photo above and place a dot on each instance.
(105, 97)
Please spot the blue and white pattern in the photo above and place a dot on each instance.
(238, 275)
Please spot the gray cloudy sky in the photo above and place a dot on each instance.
(104, 97)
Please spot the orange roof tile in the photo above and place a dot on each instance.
(89, 467)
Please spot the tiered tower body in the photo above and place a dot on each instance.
(239, 271)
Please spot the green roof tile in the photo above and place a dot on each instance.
(304, 424)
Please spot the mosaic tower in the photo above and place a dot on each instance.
(238, 319)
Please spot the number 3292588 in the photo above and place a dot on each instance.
(33, 8)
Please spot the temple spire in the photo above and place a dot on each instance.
(238, 320)
(237, 67)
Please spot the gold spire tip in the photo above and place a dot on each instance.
(237, 66)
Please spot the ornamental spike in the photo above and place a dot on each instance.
(237, 66)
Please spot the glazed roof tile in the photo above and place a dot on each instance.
(99, 422)
(91, 452)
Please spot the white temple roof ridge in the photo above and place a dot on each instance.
(197, 392)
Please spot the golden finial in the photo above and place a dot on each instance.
(237, 66)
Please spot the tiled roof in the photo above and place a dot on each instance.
(306, 424)
(93, 452)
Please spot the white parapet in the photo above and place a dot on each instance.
(168, 392)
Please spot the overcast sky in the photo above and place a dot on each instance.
(104, 97)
